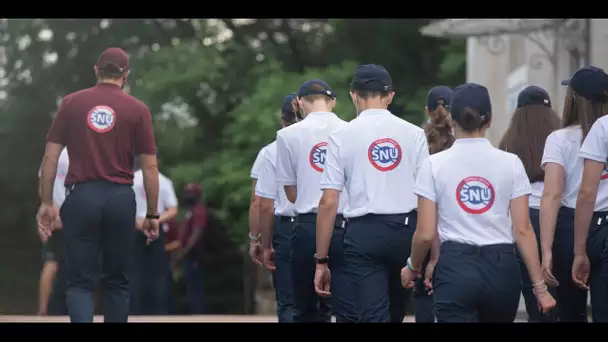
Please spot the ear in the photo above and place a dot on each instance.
(390, 97)
(353, 97)
(489, 124)
(96, 70)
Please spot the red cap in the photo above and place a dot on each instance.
(116, 57)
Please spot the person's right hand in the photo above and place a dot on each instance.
(545, 300)
(151, 228)
(46, 219)
(547, 266)
(255, 253)
(269, 259)
(580, 271)
(139, 224)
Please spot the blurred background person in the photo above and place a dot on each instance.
(51, 299)
(148, 282)
(172, 246)
(531, 124)
(439, 137)
(190, 256)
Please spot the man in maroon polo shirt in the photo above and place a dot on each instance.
(191, 255)
(103, 128)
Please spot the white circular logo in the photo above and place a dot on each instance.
(101, 119)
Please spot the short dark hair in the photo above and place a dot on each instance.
(110, 71)
(470, 120)
(364, 94)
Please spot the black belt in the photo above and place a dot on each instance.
(286, 218)
(340, 221)
(396, 218)
(508, 248)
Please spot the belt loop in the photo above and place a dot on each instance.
(343, 223)
(599, 221)
(407, 218)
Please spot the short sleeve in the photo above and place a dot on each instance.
(333, 174)
(144, 134)
(422, 153)
(595, 145)
(286, 174)
(521, 184)
(59, 131)
(257, 164)
(425, 182)
(169, 198)
(267, 183)
(553, 152)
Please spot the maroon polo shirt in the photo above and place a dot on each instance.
(103, 128)
(195, 218)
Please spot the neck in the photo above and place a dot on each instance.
(377, 104)
(316, 108)
(459, 134)
(114, 81)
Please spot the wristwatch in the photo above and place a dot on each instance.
(152, 217)
(321, 261)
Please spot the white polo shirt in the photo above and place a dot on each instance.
(563, 147)
(166, 195)
(63, 164)
(473, 184)
(267, 185)
(595, 147)
(375, 157)
(301, 154)
(257, 164)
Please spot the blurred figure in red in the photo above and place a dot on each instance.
(190, 256)
(172, 246)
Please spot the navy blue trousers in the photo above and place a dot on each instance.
(571, 300)
(422, 299)
(476, 284)
(597, 250)
(281, 278)
(534, 314)
(376, 248)
(98, 217)
(309, 306)
(148, 278)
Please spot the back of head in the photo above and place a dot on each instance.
(113, 63)
(290, 110)
(313, 91)
(471, 107)
(192, 193)
(586, 98)
(531, 124)
(438, 129)
(371, 81)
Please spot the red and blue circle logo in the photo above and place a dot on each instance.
(384, 154)
(605, 173)
(317, 156)
(475, 195)
(101, 119)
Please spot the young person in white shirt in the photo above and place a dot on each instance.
(301, 156)
(588, 89)
(52, 299)
(149, 286)
(255, 243)
(276, 219)
(374, 158)
(468, 194)
(563, 173)
(439, 137)
(531, 123)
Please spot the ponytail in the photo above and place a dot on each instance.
(439, 131)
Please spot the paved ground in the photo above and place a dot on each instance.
(162, 319)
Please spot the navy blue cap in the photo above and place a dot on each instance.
(474, 96)
(308, 88)
(371, 77)
(533, 95)
(589, 82)
(287, 108)
(439, 95)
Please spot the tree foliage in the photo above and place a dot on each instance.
(213, 86)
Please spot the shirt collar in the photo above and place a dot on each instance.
(319, 115)
(374, 112)
(469, 141)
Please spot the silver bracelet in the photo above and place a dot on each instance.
(254, 238)
(409, 265)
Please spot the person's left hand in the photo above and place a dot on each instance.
(580, 271)
(46, 218)
(151, 229)
(139, 224)
(323, 281)
(428, 276)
